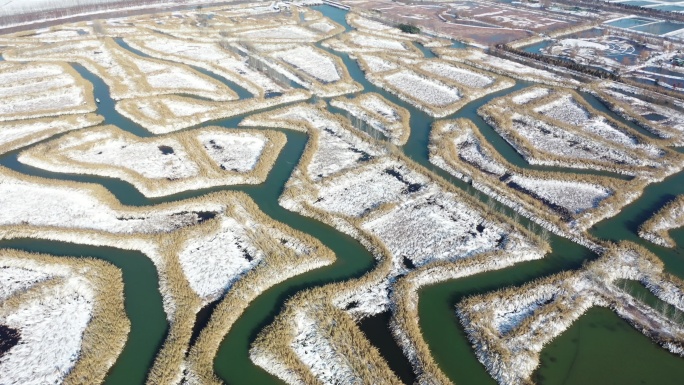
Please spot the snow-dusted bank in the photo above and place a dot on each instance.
(563, 203)
(509, 328)
(374, 111)
(169, 113)
(68, 315)
(159, 166)
(405, 215)
(670, 217)
(559, 128)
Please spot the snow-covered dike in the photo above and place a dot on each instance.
(36, 90)
(20, 133)
(656, 229)
(163, 165)
(463, 76)
(573, 196)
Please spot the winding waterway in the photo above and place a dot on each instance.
(436, 309)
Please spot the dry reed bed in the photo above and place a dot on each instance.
(451, 144)
(103, 338)
(478, 59)
(633, 107)
(509, 328)
(168, 113)
(279, 355)
(189, 166)
(377, 112)
(180, 301)
(37, 90)
(656, 229)
(126, 74)
(533, 135)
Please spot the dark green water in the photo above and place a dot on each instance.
(143, 302)
(602, 348)
(438, 322)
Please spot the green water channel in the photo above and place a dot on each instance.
(440, 326)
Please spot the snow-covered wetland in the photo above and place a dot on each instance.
(668, 218)
(398, 210)
(275, 187)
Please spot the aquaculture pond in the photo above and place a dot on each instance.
(630, 21)
(439, 324)
(660, 28)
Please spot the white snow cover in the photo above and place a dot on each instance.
(206, 55)
(20, 131)
(426, 90)
(370, 41)
(530, 95)
(457, 74)
(175, 77)
(61, 206)
(312, 62)
(338, 148)
(377, 64)
(363, 190)
(567, 110)
(580, 43)
(237, 152)
(51, 328)
(32, 90)
(554, 140)
(322, 26)
(145, 158)
(17, 279)
(215, 262)
(293, 32)
(435, 226)
(574, 196)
